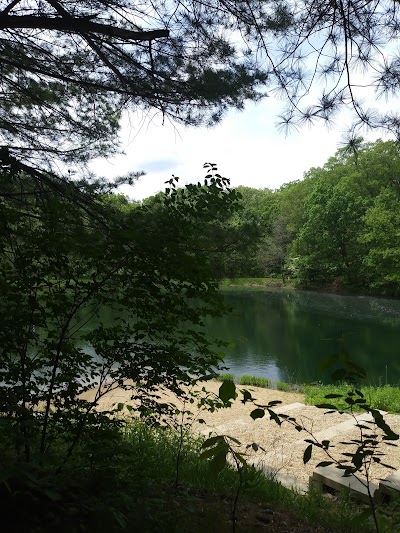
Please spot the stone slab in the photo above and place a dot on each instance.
(288, 407)
(391, 484)
(332, 477)
(342, 427)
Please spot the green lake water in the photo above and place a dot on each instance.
(285, 334)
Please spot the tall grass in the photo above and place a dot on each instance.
(282, 386)
(227, 377)
(126, 478)
(386, 398)
(255, 381)
(155, 455)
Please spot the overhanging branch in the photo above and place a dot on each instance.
(77, 25)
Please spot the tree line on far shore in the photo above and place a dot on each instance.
(340, 224)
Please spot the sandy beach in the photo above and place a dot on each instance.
(282, 446)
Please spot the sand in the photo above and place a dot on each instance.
(281, 447)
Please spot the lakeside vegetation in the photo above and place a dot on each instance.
(385, 397)
(256, 282)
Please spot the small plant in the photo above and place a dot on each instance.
(373, 432)
(255, 381)
(218, 449)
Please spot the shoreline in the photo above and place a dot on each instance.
(334, 287)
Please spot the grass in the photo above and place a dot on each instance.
(386, 398)
(127, 479)
(226, 377)
(120, 477)
(281, 385)
(255, 381)
(202, 500)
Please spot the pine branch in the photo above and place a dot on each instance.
(77, 25)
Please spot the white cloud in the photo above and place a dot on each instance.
(246, 146)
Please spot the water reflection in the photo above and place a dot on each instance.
(284, 334)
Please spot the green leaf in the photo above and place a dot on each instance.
(333, 395)
(210, 452)
(307, 454)
(257, 413)
(233, 440)
(240, 457)
(227, 391)
(211, 441)
(218, 462)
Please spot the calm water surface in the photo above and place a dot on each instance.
(284, 334)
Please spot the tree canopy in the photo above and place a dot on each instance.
(69, 68)
(340, 223)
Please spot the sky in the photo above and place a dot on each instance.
(247, 147)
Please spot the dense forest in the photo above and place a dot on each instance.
(340, 224)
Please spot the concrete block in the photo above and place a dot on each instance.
(391, 484)
(325, 477)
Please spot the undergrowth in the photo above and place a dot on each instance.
(128, 477)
